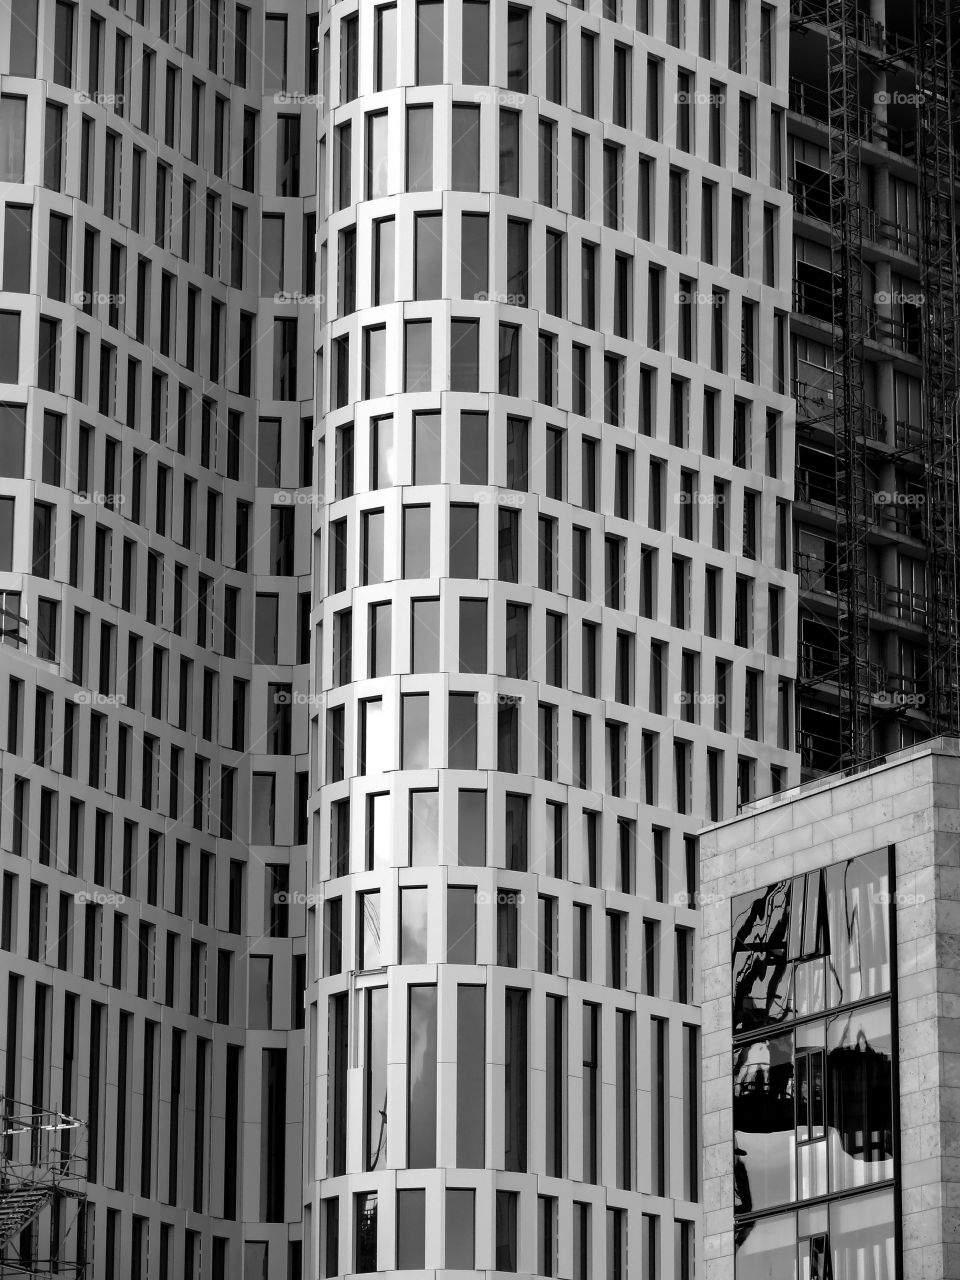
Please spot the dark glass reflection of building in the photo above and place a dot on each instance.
(814, 1108)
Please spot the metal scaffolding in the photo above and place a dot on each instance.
(938, 27)
(858, 48)
(853, 515)
(42, 1193)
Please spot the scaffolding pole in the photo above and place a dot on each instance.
(938, 25)
(853, 518)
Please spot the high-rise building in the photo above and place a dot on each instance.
(830, 1029)
(395, 547)
(553, 627)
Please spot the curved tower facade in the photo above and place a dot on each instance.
(553, 618)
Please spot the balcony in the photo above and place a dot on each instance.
(815, 574)
(812, 102)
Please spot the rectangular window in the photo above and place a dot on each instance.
(475, 62)
(515, 1098)
(422, 1077)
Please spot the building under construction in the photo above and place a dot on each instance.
(872, 162)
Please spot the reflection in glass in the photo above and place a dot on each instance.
(555, 1079)
(427, 445)
(378, 644)
(413, 926)
(476, 50)
(810, 1093)
(411, 1228)
(862, 1238)
(474, 257)
(416, 542)
(415, 730)
(379, 830)
(368, 930)
(386, 46)
(424, 828)
(761, 973)
(429, 41)
(466, 148)
(472, 828)
(374, 361)
(417, 355)
(509, 152)
(464, 355)
(13, 123)
(473, 447)
(384, 236)
(461, 924)
(471, 1075)
(384, 454)
(463, 540)
(425, 636)
(428, 255)
(377, 151)
(375, 735)
(516, 824)
(420, 148)
(375, 1077)
(858, 896)
(473, 636)
(860, 1098)
(763, 1120)
(372, 549)
(515, 1080)
(462, 740)
(506, 1256)
(365, 1241)
(260, 992)
(767, 1248)
(422, 1078)
(459, 1225)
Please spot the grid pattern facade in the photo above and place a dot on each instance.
(394, 547)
